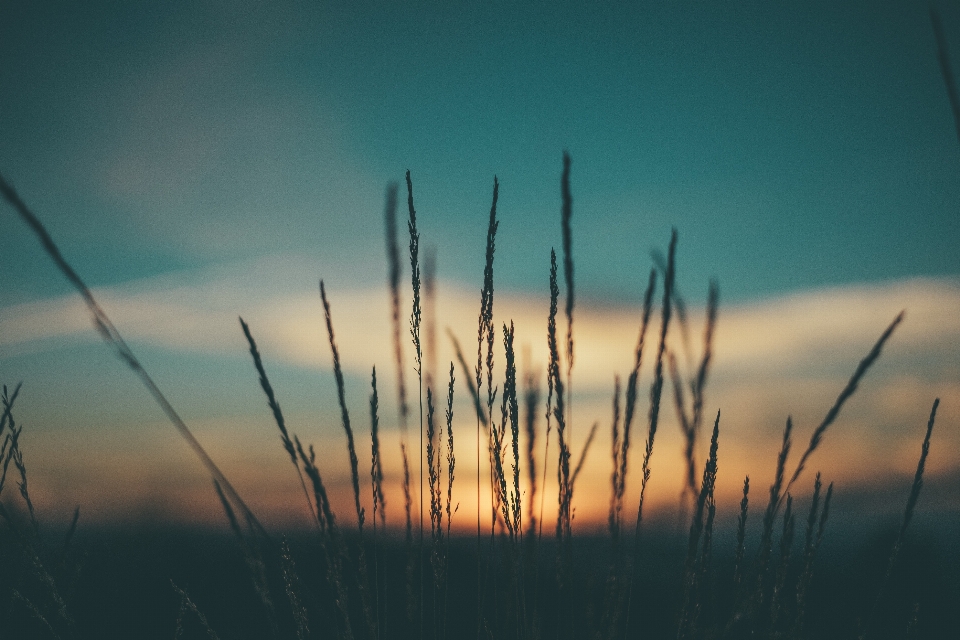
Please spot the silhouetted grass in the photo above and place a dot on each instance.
(943, 57)
(275, 408)
(393, 265)
(485, 417)
(363, 577)
(112, 336)
(321, 587)
(415, 318)
(907, 515)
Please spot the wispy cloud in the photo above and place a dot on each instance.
(194, 311)
(789, 355)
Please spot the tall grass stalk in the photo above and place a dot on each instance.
(331, 542)
(700, 383)
(38, 571)
(500, 477)
(440, 538)
(621, 455)
(531, 399)
(552, 373)
(907, 516)
(615, 448)
(12, 438)
(393, 279)
(698, 554)
(16, 454)
(363, 578)
(112, 336)
(39, 594)
(943, 57)
(415, 318)
(430, 312)
(620, 449)
(511, 504)
(451, 468)
(485, 335)
(583, 458)
(786, 547)
(8, 405)
(566, 478)
(741, 535)
(563, 463)
(436, 508)
(610, 594)
(690, 424)
(531, 403)
(376, 489)
(758, 597)
(471, 384)
(411, 607)
(679, 310)
(848, 391)
(6, 454)
(810, 547)
(393, 262)
(551, 367)
(9, 452)
(555, 405)
(566, 213)
(656, 391)
(277, 413)
(30, 545)
(512, 404)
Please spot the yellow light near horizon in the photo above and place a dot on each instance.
(788, 356)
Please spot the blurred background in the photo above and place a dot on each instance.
(196, 162)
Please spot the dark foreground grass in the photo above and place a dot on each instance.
(122, 588)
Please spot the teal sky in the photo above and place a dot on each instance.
(793, 145)
(196, 161)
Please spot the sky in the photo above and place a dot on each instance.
(200, 161)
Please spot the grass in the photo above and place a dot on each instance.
(514, 582)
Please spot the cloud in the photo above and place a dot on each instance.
(197, 311)
(789, 355)
(802, 326)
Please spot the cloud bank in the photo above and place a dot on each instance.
(789, 355)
